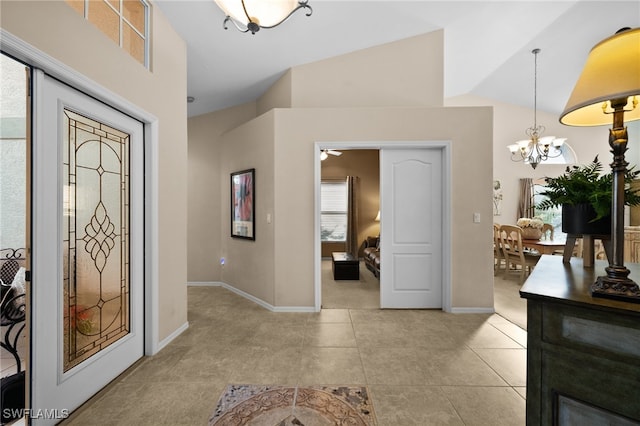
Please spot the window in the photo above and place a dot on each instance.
(552, 216)
(126, 22)
(568, 156)
(333, 214)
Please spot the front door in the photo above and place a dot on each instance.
(87, 259)
(411, 228)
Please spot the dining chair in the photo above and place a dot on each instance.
(514, 252)
(547, 234)
(498, 255)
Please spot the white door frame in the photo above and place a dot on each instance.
(28, 54)
(445, 146)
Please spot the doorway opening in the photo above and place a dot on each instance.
(361, 288)
(442, 150)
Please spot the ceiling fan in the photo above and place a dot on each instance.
(324, 154)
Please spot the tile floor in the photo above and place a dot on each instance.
(507, 300)
(422, 367)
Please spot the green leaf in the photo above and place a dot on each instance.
(586, 184)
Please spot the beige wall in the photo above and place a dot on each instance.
(54, 28)
(278, 267)
(206, 203)
(249, 264)
(278, 95)
(407, 72)
(394, 84)
(472, 171)
(364, 163)
(510, 122)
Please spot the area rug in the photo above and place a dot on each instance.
(293, 406)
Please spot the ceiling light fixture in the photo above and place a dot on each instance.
(608, 91)
(536, 149)
(252, 15)
(324, 154)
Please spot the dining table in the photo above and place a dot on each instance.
(545, 246)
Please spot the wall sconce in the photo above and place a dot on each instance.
(252, 15)
(610, 85)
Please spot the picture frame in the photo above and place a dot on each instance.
(243, 223)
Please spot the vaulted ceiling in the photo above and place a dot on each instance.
(487, 48)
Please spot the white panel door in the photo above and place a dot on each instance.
(87, 257)
(411, 228)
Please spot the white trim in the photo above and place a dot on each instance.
(204, 284)
(317, 248)
(172, 336)
(36, 58)
(447, 174)
(304, 309)
(152, 300)
(25, 52)
(472, 311)
(447, 234)
(250, 297)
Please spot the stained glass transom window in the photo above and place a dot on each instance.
(95, 237)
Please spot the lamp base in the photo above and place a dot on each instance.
(616, 288)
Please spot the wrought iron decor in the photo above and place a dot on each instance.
(243, 223)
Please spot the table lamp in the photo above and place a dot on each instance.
(609, 90)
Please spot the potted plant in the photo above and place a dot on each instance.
(585, 196)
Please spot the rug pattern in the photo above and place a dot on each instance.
(293, 406)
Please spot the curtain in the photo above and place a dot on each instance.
(353, 182)
(525, 202)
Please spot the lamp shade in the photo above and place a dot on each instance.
(266, 13)
(612, 71)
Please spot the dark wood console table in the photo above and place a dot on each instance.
(345, 266)
(583, 353)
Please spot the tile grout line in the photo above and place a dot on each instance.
(518, 343)
(452, 404)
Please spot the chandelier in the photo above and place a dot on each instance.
(536, 149)
(252, 15)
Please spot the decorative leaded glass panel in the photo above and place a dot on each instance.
(95, 237)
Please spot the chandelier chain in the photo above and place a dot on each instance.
(535, 88)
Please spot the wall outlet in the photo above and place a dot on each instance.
(222, 261)
(476, 218)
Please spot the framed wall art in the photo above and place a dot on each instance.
(243, 223)
(497, 198)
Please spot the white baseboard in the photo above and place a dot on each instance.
(254, 299)
(164, 342)
(308, 308)
(293, 309)
(473, 311)
(204, 284)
